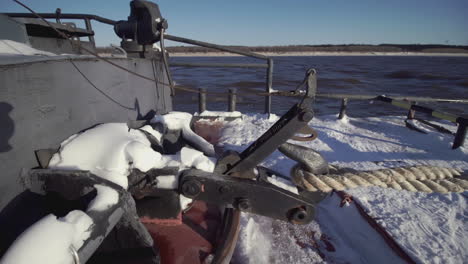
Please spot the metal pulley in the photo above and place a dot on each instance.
(144, 26)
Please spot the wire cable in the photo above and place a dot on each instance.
(99, 90)
(166, 64)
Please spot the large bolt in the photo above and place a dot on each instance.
(306, 116)
(223, 190)
(243, 204)
(298, 216)
(191, 188)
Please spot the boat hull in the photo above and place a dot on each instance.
(44, 101)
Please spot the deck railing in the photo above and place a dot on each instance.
(406, 102)
(268, 65)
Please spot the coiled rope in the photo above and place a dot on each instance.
(414, 179)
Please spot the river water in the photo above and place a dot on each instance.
(445, 77)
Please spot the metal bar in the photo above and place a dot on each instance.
(445, 116)
(90, 28)
(344, 104)
(253, 196)
(461, 133)
(219, 65)
(437, 127)
(311, 83)
(232, 99)
(202, 100)
(419, 108)
(215, 46)
(63, 16)
(269, 84)
(411, 112)
(371, 97)
(461, 121)
(293, 120)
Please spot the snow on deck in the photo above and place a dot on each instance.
(431, 228)
(358, 143)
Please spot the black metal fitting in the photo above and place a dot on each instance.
(223, 190)
(191, 188)
(58, 12)
(461, 132)
(243, 204)
(306, 116)
(143, 25)
(298, 216)
(253, 196)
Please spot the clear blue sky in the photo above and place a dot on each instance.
(285, 22)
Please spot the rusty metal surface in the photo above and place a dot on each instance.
(228, 237)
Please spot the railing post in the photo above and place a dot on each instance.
(344, 104)
(232, 99)
(411, 113)
(89, 27)
(269, 84)
(461, 132)
(202, 100)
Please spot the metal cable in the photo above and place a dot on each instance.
(166, 63)
(101, 91)
(156, 85)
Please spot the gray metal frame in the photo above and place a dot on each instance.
(86, 17)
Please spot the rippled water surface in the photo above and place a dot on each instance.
(444, 77)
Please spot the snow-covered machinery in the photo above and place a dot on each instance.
(151, 190)
(105, 217)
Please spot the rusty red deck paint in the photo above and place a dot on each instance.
(189, 242)
(191, 237)
(164, 222)
(210, 130)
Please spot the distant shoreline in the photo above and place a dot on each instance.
(319, 53)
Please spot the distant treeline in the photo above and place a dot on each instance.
(334, 48)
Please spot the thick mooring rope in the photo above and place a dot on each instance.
(414, 179)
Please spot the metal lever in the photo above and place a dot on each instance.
(247, 195)
(285, 128)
